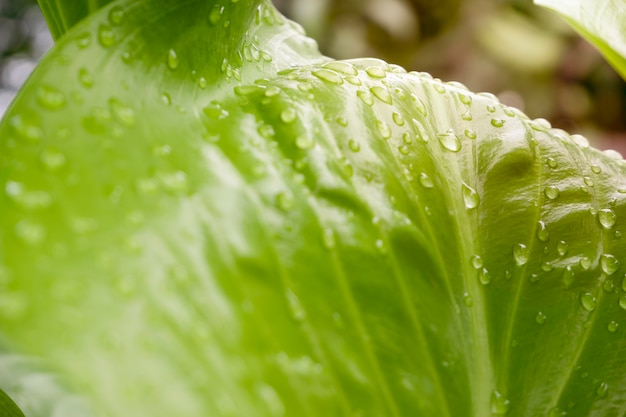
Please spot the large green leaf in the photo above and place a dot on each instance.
(603, 23)
(202, 216)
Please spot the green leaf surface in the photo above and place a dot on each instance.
(202, 216)
(603, 23)
(7, 407)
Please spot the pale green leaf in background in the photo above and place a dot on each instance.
(603, 23)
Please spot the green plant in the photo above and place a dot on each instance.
(202, 216)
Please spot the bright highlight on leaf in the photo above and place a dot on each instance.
(203, 216)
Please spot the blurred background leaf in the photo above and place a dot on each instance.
(525, 55)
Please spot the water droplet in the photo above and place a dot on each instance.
(540, 125)
(585, 263)
(612, 326)
(596, 169)
(382, 94)
(354, 145)
(26, 130)
(540, 318)
(398, 119)
(497, 122)
(426, 181)
(534, 278)
(450, 141)
(52, 160)
(85, 78)
(484, 277)
(465, 98)
(580, 140)
(551, 162)
(467, 116)
(30, 232)
(116, 15)
(383, 129)
(607, 218)
(84, 40)
(608, 285)
(588, 181)
(542, 231)
(215, 111)
(376, 72)
(50, 98)
(366, 97)
(603, 390)
(172, 59)
(216, 14)
(562, 248)
(551, 192)
(467, 300)
(588, 301)
(122, 112)
(520, 253)
(288, 115)
(622, 301)
(304, 142)
(624, 283)
(272, 91)
(285, 201)
(328, 76)
(470, 197)
(477, 261)
(609, 264)
(174, 182)
(470, 134)
(499, 404)
(547, 266)
(341, 67)
(568, 276)
(106, 36)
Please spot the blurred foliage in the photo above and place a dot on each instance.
(525, 55)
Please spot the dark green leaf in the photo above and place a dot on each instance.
(7, 407)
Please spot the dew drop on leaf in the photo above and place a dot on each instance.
(116, 15)
(607, 218)
(172, 59)
(216, 14)
(383, 129)
(588, 181)
(609, 264)
(585, 263)
(551, 162)
(328, 76)
(562, 248)
(497, 122)
(470, 134)
(354, 145)
(588, 301)
(85, 78)
(540, 318)
(552, 192)
(477, 262)
(450, 141)
(622, 301)
(608, 285)
(542, 231)
(470, 197)
(398, 119)
(50, 98)
(547, 266)
(612, 326)
(568, 276)
(366, 97)
(603, 390)
(520, 253)
(304, 142)
(341, 67)
(285, 201)
(499, 404)
(540, 125)
(484, 276)
(467, 300)
(288, 115)
(376, 72)
(106, 36)
(381, 93)
(425, 180)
